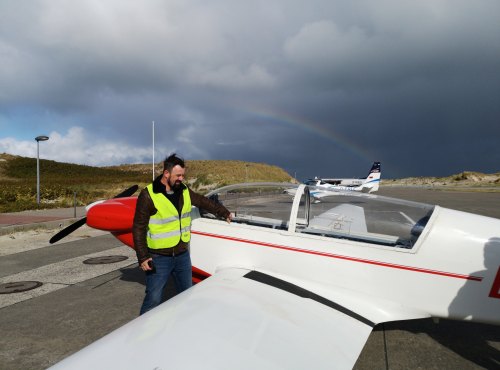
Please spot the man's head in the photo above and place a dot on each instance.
(173, 171)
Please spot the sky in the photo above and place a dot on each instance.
(319, 88)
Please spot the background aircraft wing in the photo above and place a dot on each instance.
(236, 319)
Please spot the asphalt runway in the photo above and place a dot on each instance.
(79, 303)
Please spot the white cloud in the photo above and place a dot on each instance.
(23, 148)
(77, 146)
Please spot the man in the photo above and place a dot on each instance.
(162, 230)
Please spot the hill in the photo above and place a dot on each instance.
(466, 179)
(61, 183)
(204, 175)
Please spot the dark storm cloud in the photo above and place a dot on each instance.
(322, 88)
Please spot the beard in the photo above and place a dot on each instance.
(175, 185)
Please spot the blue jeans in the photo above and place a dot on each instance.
(178, 266)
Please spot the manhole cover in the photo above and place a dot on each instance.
(19, 286)
(104, 260)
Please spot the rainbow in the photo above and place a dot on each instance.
(314, 128)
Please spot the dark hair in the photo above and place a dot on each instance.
(171, 161)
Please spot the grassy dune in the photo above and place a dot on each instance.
(60, 181)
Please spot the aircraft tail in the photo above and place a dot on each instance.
(372, 181)
(375, 169)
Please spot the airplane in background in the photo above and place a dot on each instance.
(354, 182)
(293, 284)
(368, 184)
(323, 187)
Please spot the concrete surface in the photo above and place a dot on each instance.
(86, 302)
(39, 219)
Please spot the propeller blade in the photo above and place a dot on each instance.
(69, 229)
(128, 192)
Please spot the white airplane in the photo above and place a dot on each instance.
(366, 185)
(353, 182)
(292, 284)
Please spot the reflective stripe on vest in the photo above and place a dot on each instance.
(166, 228)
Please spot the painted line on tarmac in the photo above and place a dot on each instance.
(27, 240)
(64, 273)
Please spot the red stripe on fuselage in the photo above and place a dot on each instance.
(338, 256)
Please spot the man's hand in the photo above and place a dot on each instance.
(229, 218)
(145, 265)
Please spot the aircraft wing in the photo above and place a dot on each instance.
(236, 319)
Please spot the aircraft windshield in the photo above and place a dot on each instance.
(365, 217)
(311, 182)
(347, 215)
(266, 205)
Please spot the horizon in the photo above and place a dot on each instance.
(237, 160)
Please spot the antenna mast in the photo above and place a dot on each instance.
(153, 150)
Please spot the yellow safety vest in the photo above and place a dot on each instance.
(166, 228)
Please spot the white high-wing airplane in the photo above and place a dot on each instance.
(366, 185)
(292, 284)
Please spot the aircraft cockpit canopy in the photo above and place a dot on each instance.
(315, 182)
(350, 215)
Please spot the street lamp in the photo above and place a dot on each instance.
(38, 139)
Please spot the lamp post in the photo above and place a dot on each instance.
(38, 139)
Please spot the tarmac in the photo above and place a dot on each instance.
(78, 304)
(39, 219)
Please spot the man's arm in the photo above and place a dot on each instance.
(209, 205)
(143, 211)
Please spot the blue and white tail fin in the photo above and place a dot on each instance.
(372, 181)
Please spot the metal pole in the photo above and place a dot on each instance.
(38, 139)
(153, 150)
(38, 172)
(74, 204)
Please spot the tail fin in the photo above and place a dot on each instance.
(372, 181)
(375, 168)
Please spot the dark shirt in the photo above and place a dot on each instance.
(174, 197)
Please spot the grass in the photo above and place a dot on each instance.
(60, 181)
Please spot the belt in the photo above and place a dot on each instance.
(174, 251)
